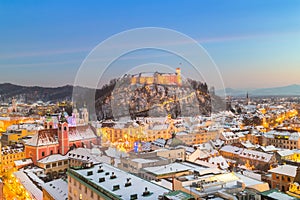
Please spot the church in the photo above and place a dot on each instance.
(60, 138)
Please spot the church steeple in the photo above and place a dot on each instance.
(63, 134)
(247, 98)
(63, 117)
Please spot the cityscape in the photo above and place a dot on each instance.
(149, 110)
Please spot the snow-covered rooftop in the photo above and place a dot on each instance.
(138, 185)
(53, 158)
(167, 169)
(32, 189)
(58, 189)
(288, 170)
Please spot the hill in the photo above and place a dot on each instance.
(290, 90)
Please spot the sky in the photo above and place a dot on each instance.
(254, 44)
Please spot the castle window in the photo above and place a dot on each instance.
(43, 153)
(65, 128)
(51, 152)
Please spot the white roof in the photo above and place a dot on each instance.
(219, 160)
(22, 162)
(58, 189)
(285, 152)
(94, 155)
(142, 161)
(53, 158)
(137, 184)
(269, 148)
(32, 189)
(288, 170)
(281, 196)
(166, 169)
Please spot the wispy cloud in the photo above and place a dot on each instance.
(45, 53)
(39, 64)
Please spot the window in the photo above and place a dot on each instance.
(47, 166)
(65, 128)
(59, 163)
(65, 162)
(92, 194)
(51, 152)
(53, 164)
(85, 189)
(43, 153)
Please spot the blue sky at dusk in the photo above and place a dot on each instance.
(254, 43)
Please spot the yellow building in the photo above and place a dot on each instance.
(10, 154)
(8, 121)
(125, 135)
(15, 133)
(197, 138)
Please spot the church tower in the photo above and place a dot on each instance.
(63, 134)
(14, 105)
(85, 115)
(247, 99)
(75, 114)
(48, 124)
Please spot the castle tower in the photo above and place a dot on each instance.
(63, 135)
(85, 114)
(178, 74)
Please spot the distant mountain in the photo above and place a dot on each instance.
(290, 90)
(35, 93)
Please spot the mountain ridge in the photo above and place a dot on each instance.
(288, 90)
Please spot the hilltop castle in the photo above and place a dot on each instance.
(158, 78)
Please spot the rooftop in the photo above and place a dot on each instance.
(58, 189)
(32, 189)
(168, 169)
(53, 158)
(288, 170)
(113, 180)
